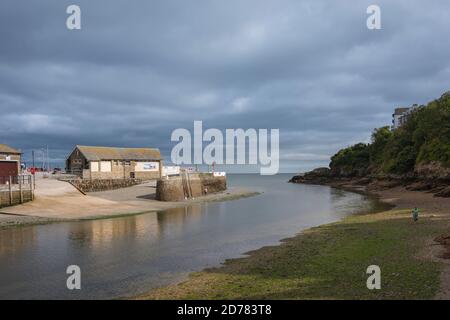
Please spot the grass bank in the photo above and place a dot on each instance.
(328, 262)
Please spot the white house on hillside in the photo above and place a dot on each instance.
(401, 115)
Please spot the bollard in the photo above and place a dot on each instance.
(20, 190)
(10, 191)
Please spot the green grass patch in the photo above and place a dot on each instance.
(328, 262)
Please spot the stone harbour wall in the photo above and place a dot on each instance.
(7, 199)
(103, 184)
(213, 184)
(195, 185)
(170, 189)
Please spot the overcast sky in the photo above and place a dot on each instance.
(139, 69)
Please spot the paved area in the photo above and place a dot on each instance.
(141, 192)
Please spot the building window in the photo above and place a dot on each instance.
(105, 166)
(94, 166)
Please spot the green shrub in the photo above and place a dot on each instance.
(425, 137)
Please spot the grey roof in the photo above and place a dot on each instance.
(113, 153)
(399, 111)
(7, 149)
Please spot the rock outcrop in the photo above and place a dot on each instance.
(439, 185)
(432, 170)
(444, 193)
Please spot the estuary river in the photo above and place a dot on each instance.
(127, 256)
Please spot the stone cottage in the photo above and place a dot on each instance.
(115, 163)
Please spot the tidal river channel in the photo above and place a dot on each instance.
(127, 256)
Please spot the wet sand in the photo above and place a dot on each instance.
(59, 201)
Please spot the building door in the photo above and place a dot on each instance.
(8, 168)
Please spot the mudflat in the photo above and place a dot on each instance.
(330, 261)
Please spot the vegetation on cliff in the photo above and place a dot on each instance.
(422, 142)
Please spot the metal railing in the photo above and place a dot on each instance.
(16, 180)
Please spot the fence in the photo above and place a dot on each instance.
(16, 190)
(16, 180)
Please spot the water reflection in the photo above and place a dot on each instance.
(17, 239)
(175, 220)
(100, 233)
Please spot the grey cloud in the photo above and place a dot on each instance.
(137, 70)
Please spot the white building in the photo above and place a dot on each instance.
(171, 171)
(401, 115)
(397, 117)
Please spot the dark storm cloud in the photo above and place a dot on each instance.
(137, 70)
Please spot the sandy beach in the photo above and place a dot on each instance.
(59, 201)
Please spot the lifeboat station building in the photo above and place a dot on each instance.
(90, 162)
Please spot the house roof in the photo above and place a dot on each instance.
(400, 111)
(7, 149)
(113, 153)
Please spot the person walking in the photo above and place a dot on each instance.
(415, 214)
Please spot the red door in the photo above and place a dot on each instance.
(8, 168)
